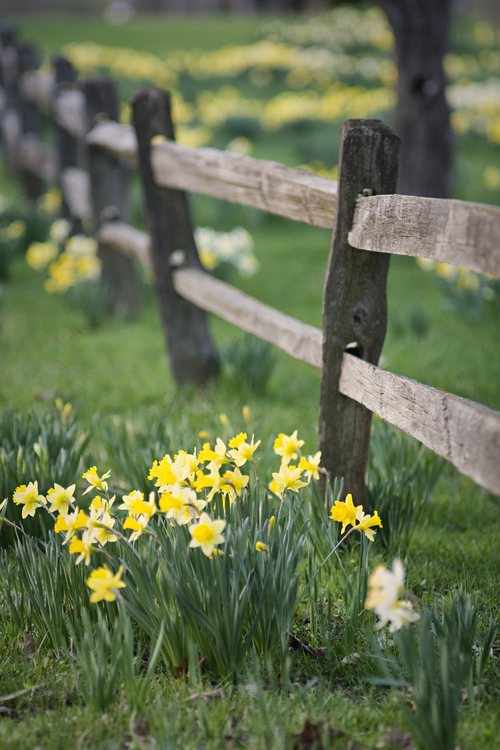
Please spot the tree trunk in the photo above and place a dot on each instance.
(422, 117)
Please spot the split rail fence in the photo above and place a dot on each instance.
(90, 158)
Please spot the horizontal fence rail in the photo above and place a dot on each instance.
(301, 341)
(453, 231)
(463, 432)
(128, 240)
(285, 191)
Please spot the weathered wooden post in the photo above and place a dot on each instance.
(108, 187)
(10, 119)
(66, 144)
(31, 121)
(355, 302)
(192, 355)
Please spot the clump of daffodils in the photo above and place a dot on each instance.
(69, 261)
(386, 592)
(222, 249)
(77, 263)
(185, 486)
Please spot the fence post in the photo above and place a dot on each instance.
(31, 119)
(108, 187)
(66, 144)
(355, 302)
(10, 119)
(192, 355)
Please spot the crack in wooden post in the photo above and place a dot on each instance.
(355, 306)
(192, 355)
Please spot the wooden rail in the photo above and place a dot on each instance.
(456, 232)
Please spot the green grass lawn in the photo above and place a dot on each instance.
(120, 371)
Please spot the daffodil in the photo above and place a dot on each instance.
(287, 446)
(345, 512)
(71, 523)
(180, 504)
(162, 472)
(287, 478)
(233, 484)
(29, 497)
(137, 524)
(104, 585)
(132, 501)
(207, 534)
(242, 451)
(100, 524)
(366, 523)
(81, 547)
(385, 588)
(60, 498)
(96, 481)
(310, 466)
(215, 457)
(261, 547)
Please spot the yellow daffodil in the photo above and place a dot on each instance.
(310, 465)
(29, 497)
(180, 504)
(104, 585)
(345, 512)
(162, 472)
(96, 481)
(132, 501)
(242, 450)
(81, 547)
(137, 524)
(100, 524)
(233, 484)
(287, 446)
(60, 498)
(261, 547)
(207, 534)
(71, 523)
(287, 478)
(366, 523)
(245, 412)
(40, 254)
(215, 457)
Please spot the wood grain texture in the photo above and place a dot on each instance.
(294, 193)
(457, 232)
(300, 340)
(118, 140)
(465, 433)
(354, 301)
(67, 145)
(69, 112)
(127, 239)
(109, 199)
(75, 185)
(192, 354)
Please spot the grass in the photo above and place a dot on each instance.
(121, 369)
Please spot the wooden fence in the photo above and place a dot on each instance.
(90, 158)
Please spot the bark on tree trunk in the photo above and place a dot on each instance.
(422, 117)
